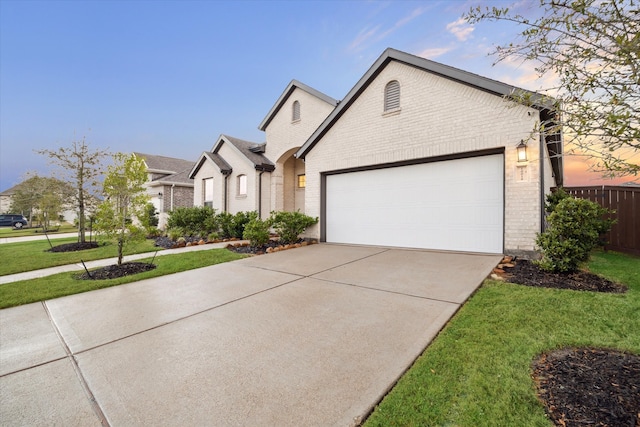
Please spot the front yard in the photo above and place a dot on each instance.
(58, 285)
(477, 372)
(28, 256)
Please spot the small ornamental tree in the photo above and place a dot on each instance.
(125, 198)
(575, 229)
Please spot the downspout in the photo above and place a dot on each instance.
(260, 194)
(172, 185)
(226, 191)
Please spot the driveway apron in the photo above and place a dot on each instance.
(311, 336)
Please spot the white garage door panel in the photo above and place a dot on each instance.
(449, 205)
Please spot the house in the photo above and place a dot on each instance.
(418, 154)
(238, 175)
(68, 213)
(169, 185)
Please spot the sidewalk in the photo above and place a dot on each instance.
(38, 237)
(104, 262)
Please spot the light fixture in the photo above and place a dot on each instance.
(522, 151)
(160, 195)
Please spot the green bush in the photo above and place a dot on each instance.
(197, 220)
(175, 233)
(554, 198)
(574, 230)
(150, 217)
(257, 232)
(233, 225)
(290, 225)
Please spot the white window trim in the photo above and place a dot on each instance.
(240, 191)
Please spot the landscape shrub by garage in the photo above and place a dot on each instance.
(290, 225)
(574, 229)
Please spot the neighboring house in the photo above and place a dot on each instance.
(418, 154)
(6, 198)
(239, 175)
(169, 185)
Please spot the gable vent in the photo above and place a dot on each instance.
(296, 111)
(392, 96)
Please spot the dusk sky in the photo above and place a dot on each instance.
(168, 77)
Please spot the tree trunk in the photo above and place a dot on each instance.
(120, 246)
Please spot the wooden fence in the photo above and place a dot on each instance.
(625, 201)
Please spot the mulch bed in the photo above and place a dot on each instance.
(589, 387)
(585, 386)
(527, 273)
(115, 271)
(73, 247)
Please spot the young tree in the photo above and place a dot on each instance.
(593, 47)
(125, 198)
(82, 167)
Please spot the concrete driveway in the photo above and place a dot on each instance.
(311, 336)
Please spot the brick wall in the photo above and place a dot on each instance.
(284, 137)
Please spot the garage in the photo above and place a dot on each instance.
(455, 205)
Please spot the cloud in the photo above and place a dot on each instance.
(368, 34)
(434, 52)
(363, 36)
(461, 29)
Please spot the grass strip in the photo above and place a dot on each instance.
(477, 371)
(58, 285)
(28, 256)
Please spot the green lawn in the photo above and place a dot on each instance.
(477, 371)
(27, 291)
(27, 256)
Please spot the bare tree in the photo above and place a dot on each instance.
(82, 168)
(593, 48)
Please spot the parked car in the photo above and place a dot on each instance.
(11, 220)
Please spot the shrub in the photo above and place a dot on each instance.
(575, 229)
(554, 198)
(233, 225)
(150, 217)
(174, 233)
(256, 232)
(199, 220)
(290, 225)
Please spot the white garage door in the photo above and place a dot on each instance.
(449, 205)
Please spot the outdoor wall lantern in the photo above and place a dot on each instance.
(160, 195)
(522, 151)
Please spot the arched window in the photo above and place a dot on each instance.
(295, 113)
(242, 185)
(392, 96)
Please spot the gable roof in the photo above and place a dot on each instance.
(163, 164)
(285, 95)
(217, 159)
(181, 178)
(538, 101)
(251, 150)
